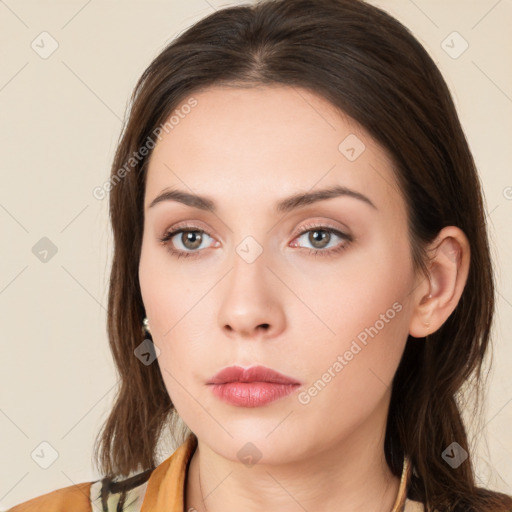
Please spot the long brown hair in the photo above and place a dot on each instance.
(369, 66)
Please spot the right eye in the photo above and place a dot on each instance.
(190, 240)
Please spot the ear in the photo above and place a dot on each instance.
(437, 295)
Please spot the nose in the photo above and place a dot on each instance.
(251, 305)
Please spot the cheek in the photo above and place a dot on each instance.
(366, 308)
(368, 345)
(164, 305)
(168, 293)
(364, 295)
(349, 378)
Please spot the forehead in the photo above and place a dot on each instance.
(253, 143)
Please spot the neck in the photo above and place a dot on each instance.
(349, 475)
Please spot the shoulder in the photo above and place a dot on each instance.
(161, 484)
(127, 495)
(107, 495)
(74, 498)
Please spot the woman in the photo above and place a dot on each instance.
(299, 229)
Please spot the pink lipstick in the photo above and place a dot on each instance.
(251, 387)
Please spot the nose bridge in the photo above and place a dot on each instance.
(250, 248)
(249, 269)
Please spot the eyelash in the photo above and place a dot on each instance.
(313, 252)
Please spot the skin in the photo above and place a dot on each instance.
(246, 149)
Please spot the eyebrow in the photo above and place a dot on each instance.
(286, 205)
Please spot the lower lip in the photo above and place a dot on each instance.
(251, 394)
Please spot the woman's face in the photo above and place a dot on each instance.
(246, 287)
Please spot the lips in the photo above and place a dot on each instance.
(251, 387)
(252, 374)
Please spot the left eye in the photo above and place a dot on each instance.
(320, 237)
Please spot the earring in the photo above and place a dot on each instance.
(145, 326)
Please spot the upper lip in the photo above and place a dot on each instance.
(252, 374)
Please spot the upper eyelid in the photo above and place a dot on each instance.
(320, 225)
(189, 225)
(298, 232)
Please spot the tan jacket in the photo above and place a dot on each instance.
(161, 489)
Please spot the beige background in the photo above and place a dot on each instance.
(61, 117)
